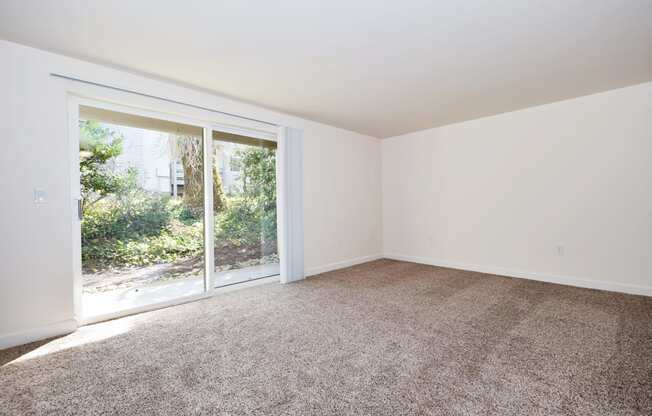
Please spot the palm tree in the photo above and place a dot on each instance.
(190, 152)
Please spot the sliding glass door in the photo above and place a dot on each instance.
(143, 208)
(244, 201)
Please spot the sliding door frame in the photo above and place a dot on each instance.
(272, 137)
(92, 96)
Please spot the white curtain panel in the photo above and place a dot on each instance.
(290, 203)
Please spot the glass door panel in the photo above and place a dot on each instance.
(142, 190)
(244, 200)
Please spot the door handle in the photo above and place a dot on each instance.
(80, 209)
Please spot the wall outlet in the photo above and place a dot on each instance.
(560, 249)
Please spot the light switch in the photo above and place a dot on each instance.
(40, 196)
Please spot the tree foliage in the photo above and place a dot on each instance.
(259, 176)
(98, 145)
(251, 216)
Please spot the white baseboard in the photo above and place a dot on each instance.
(341, 264)
(542, 277)
(35, 334)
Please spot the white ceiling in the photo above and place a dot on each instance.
(381, 68)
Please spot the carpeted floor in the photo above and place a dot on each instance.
(382, 338)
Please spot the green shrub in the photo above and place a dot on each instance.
(268, 225)
(240, 223)
(166, 247)
(127, 216)
(139, 229)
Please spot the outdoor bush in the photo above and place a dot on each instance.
(139, 228)
(117, 235)
(182, 241)
(127, 216)
(239, 223)
(268, 225)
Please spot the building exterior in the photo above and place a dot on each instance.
(152, 155)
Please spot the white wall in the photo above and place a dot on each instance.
(498, 194)
(342, 184)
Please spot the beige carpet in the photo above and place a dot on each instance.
(383, 338)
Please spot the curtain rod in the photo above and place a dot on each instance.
(142, 94)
